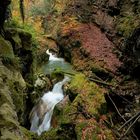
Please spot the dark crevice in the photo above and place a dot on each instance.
(113, 11)
(67, 131)
(137, 129)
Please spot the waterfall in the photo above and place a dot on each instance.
(41, 114)
(53, 57)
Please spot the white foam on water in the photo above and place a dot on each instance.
(49, 100)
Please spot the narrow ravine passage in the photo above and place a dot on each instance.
(41, 113)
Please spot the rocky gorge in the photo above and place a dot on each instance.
(99, 43)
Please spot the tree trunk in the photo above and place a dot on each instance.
(3, 8)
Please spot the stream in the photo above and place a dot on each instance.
(55, 63)
(41, 113)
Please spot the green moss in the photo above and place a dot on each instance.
(7, 116)
(28, 134)
(12, 91)
(80, 127)
(7, 135)
(14, 23)
(5, 95)
(65, 116)
(11, 97)
(63, 132)
(20, 37)
(89, 98)
(89, 94)
(6, 49)
(17, 40)
(18, 98)
(50, 135)
(78, 81)
(57, 74)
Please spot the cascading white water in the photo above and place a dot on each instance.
(53, 57)
(41, 114)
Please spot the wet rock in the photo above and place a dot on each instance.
(41, 58)
(63, 103)
(56, 76)
(42, 82)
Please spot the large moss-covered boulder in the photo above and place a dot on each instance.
(86, 97)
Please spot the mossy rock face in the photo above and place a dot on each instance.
(26, 39)
(5, 95)
(12, 97)
(6, 49)
(42, 85)
(88, 93)
(57, 76)
(20, 38)
(50, 135)
(25, 49)
(7, 135)
(9, 126)
(13, 89)
(8, 116)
